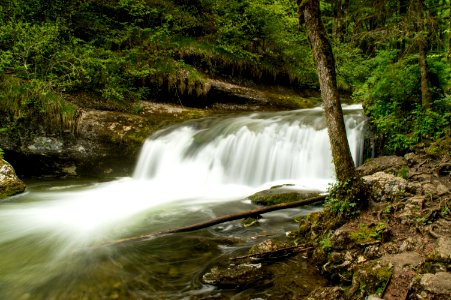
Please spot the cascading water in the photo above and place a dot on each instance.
(184, 175)
(248, 150)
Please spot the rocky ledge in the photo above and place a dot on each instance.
(105, 137)
(101, 143)
(397, 248)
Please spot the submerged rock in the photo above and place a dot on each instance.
(271, 249)
(10, 184)
(235, 275)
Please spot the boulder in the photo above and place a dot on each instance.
(387, 164)
(386, 187)
(438, 284)
(10, 184)
(281, 194)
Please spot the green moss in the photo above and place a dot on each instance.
(248, 222)
(367, 233)
(403, 172)
(440, 147)
(371, 278)
(275, 199)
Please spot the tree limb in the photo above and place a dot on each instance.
(219, 220)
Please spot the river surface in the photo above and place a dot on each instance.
(52, 238)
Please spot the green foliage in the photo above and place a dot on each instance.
(346, 199)
(26, 101)
(326, 242)
(403, 172)
(136, 49)
(392, 98)
(351, 66)
(372, 278)
(368, 233)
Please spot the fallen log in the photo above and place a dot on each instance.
(219, 220)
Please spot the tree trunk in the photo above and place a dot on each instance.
(422, 41)
(338, 32)
(325, 66)
(425, 94)
(449, 34)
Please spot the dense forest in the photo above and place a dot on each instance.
(394, 56)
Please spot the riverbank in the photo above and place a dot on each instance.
(397, 248)
(400, 247)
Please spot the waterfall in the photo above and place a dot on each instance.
(249, 149)
(198, 163)
(184, 175)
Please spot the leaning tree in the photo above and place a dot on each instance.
(310, 15)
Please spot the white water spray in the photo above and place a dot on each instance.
(249, 150)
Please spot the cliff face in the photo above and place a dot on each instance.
(102, 143)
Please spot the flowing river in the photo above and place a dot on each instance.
(51, 236)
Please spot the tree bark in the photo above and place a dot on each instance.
(422, 32)
(325, 65)
(422, 62)
(339, 22)
(449, 34)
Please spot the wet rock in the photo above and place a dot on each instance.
(271, 249)
(294, 279)
(45, 145)
(444, 169)
(281, 195)
(388, 164)
(10, 184)
(101, 143)
(235, 275)
(438, 284)
(327, 293)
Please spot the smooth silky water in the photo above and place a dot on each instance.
(52, 236)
